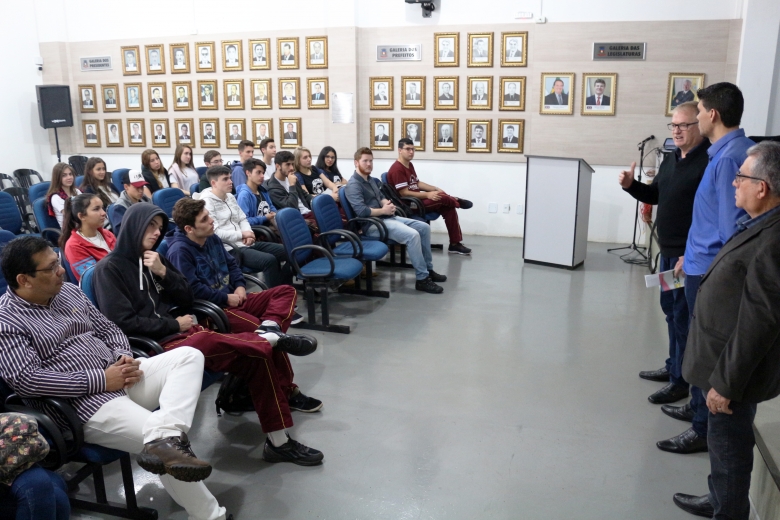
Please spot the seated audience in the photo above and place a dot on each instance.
(35, 494)
(268, 150)
(97, 181)
(311, 178)
(154, 172)
(136, 287)
(284, 188)
(53, 342)
(326, 163)
(246, 150)
(232, 226)
(363, 194)
(252, 196)
(210, 158)
(404, 178)
(60, 189)
(83, 239)
(135, 187)
(182, 172)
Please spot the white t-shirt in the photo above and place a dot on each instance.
(58, 205)
(301, 207)
(269, 169)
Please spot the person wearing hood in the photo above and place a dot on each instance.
(252, 196)
(136, 287)
(135, 184)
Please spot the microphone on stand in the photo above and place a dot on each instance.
(645, 140)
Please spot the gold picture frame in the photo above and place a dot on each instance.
(480, 50)
(316, 52)
(109, 93)
(180, 58)
(447, 46)
(209, 132)
(136, 139)
(155, 59)
(480, 93)
(511, 93)
(477, 142)
(230, 139)
(233, 93)
(599, 93)
(158, 96)
(510, 136)
(91, 140)
(414, 129)
(382, 134)
(413, 92)
(164, 141)
(114, 139)
(294, 140)
(675, 89)
(131, 60)
(284, 59)
(262, 94)
(548, 103)
(317, 93)
(205, 61)
(178, 130)
(381, 92)
(445, 92)
(181, 102)
(512, 54)
(208, 95)
(445, 135)
(87, 100)
(232, 56)
(257, 130)
(262, 62)
(287, 86)
(134, 97)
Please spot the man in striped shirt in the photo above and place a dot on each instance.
(53, 342)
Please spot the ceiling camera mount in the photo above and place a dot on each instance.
(427, 6)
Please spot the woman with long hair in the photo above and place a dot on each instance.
(326, 163)
(61, 189)
(311, 178)
(97, 181)
(154, 172)
(182, 170)
(83, 239)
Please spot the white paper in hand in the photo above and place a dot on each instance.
(666, 280)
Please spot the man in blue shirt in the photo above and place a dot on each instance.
(714, 221)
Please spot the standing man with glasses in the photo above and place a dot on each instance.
(673, 190)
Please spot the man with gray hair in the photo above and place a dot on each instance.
(733, 351)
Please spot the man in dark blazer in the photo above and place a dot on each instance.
(733, 351)
(445, 92)
(91, 135)
(413, 95)
(557, 96)
(110, 99)
(291, 133)
(207, 96)
(686, 94)
(87, 102)
(318, 95)
(511, 93)
(381, 94)
(598, 98)
(510, 138)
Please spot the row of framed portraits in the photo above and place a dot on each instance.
(509, 136)
(232, 59)
(479, 51)
(158, 134)
(206, 96)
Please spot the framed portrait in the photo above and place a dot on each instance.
(447, 47)
(382, 134)
(158, 97)
(233, 90)
(511, 133)
(259, 57)
(209, 133)
(232, 56)
(682, 87)
(414, 129)
(110, 94)
(445, 135)
(512, 93)
(113, 129)
(91, 131)
(262, 129)
(155, 59)
(261, 93)
(318, 92)
(182, 95)
(287, 53)
(445, 92)
(514, 47)
(381, 93)
(185, 131)
(316, 52)
(598, 94)
(478, 135)
(235, 130)
(291, 132)
(130, 64)
(413, 92)
(180, 58)
(87, 98)
(136, 132)
(134, 97)
(207, 95)
(557, 93)
(159, 128)
(480, 50)
(206, 59)
(289, 88)
(480, 93)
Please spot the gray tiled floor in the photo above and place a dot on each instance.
(512, 395)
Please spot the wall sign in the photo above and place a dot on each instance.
(95, 63)
(399, 52)
(619, 51)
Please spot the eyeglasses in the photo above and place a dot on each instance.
(215, 162)
(52, 268)
(740, 176)
(681, 126)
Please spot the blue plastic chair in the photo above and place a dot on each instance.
(194, 188)
(201, 170)
(116, 178)
(5, 237)
(10, 219)
(115, 214)
(78, 181)
(36, 191)
(68, 269)
(47, 224)
(166, 198)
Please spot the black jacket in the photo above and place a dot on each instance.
(128, 293)
(282, 199)
(734, 340)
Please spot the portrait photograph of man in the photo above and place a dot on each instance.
(136, 132)
(207, 96)
(290, 133)
(209, 136)
(445, 135)
(513, 49)
(413, 96)
(512, 90)
(599, 93)
(236, 133)
(380, 97)
(155, 63)
(130, 58)
(232, 57)
(204, 57)
(287, 53)
(90, 133)
(261, 131)
(445, 93)
(318, 53)
(480, 50)
(157, 99)
(182, 96)
(318, 92)
(259, 55)
(289, 93)
(180, 58)
(382, 134)
(234, 95)
(557, 95)
(209, 133)
(111, 98)
(480, 93)
(288, 58)
(511, 94)
(261, 98)
(133, 97)
(682, 88)
(510, 135)
(447, 46)
(185, 136)
(414, 129)
(479, 136)
(87, 98)
(159, 134)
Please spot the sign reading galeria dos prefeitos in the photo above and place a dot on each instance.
(95, 63)
(399, 52)
(619, 51)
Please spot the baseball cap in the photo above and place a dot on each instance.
(135, 178)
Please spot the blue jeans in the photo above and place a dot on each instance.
(698, 400)
(416, 236)
(37, 494)
(675, 307)
(731, 443)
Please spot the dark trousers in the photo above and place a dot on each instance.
(730, 442)
(698, 400)
(36, 494)
(267, 258)
(267, 371)
(446, 207)
(675, 307)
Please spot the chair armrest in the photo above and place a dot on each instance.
(66, 411)
(53, 434)
(357, 246)
(371, 221)
(322, 250)
(415, 204)
(139, 354)
(213, 311)
(146, 345)
(264, 232)
(255, 280)
(48, 232)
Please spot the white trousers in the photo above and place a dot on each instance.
(171, 381)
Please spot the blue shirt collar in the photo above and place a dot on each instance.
(718, 145)
(745, 222)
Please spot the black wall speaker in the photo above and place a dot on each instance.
(54, 108)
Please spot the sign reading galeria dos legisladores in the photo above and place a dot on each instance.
(399, 52)
(619, 51)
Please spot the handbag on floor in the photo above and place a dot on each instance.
(233, 397)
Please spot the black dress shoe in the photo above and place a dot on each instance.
(681, 413)
(661, 375)
(687, 442)
(671, 393)
(699, 506)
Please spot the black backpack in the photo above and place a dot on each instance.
(233, 397)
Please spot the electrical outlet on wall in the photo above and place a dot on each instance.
(506, 208)
(493, 207)
(520, 209)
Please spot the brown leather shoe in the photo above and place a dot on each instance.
(174, 456)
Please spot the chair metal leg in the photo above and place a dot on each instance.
(369, 290)
(312, 324)
(437, 246)
(100, 485)
(102, 505)
(393, 263)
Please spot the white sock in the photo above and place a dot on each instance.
(270, 323)
(270, 337)
(278, 437)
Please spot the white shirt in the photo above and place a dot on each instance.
(58, 205)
